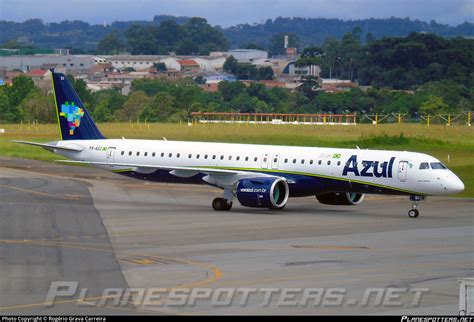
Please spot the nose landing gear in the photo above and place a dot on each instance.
(413, 212)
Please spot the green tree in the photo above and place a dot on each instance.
(167, 35)
(37, 107)
(109, 101)
(102, 112)
(229, 90)
(112, 44)
(231, 65)
(22, 86)
(187, 47)
(141, 40)
(332, 57)
(160, 107)
(133, 106)
(434, 105)
(161, 67)
(8, 112)
(244, 103)
(309, 86)
(264, 73)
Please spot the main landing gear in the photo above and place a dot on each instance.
(413, 212)
(223, 204)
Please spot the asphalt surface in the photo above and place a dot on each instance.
(62, 223)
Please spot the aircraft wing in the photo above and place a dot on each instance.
(175, 170)
(49, 146)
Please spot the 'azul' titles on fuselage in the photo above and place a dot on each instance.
(369, 168)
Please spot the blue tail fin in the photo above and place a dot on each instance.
(74, 120)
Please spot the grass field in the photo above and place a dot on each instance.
(452, 145)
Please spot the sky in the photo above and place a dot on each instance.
(232, 12)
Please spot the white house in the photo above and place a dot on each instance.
(248, 55)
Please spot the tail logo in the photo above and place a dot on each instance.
(72, 114)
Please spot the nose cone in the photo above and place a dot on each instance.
(454, 184)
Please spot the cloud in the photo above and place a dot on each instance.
(232, 12)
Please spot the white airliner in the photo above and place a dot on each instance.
(256, 175)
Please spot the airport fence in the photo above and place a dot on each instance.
(462, 118)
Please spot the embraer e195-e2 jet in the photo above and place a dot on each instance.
(256, 175)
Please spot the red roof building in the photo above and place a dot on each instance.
(37, 73)
(188, 65)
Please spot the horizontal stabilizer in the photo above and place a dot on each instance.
(49, 146)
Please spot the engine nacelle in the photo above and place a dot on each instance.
(341, 198)
(262, 192)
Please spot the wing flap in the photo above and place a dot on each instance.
(177, 169)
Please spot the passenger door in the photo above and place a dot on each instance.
(110, 158)
(402, 171)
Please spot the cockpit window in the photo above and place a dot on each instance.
(437, 165)
(424, 165)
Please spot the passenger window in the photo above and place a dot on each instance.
(213, 157)
(130, 153)
(275, 160)
(424, 165)
(238, 158)
(255, 159)
(246, 158)
(222, 157)
(286, 160)
(146, 153)
(138, 153)
(265, 159)
(230, 157)
(294, 160)
(205, 156)
(338, 162)
(319, 162)
(153, 154)
(170, 155)
(190, 156)
(302, 161)
(123, 152)
(162, 154)
(310, 161)
(329, 162)
(197, 156)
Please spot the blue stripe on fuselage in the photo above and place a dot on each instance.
(300, 185)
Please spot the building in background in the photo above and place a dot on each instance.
(214, 78)
(247, 55)
(188, 65)
(301, 71)
(332, 85)
(137, 62)
(28, 63)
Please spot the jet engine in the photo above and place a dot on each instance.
(341, 198)
(262, 192)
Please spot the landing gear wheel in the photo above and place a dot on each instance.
(220, 204)
(413, 213)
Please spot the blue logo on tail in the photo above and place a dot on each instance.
(72, 114)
